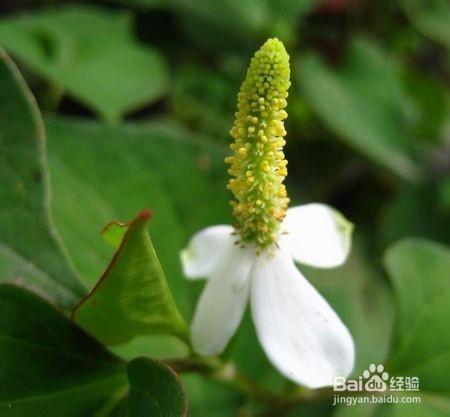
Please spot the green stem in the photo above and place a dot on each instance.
(226, 373)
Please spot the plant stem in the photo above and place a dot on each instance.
(228, 374)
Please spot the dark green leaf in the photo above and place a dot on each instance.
(91, 53)
(49, 367)
(251, 22)
(154, 390)
(132, 297)
(444, 194)
(31, 253)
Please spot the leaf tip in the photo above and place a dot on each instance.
(145, 214)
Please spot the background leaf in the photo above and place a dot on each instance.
(90, 52)
(31, 253)
(431, 17)
(132, 297)
(375, 103)
(369, 116)
(420, 271)
(250, 23)
(415, 211)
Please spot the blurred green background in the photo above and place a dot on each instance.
(138, 97)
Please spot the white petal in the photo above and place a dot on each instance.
(205, 251)
(222, 303)
(301, 334)
(317, 235)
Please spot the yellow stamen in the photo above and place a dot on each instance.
(258, 165)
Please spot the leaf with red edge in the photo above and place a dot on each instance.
(132, 297)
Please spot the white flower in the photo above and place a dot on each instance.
(300, 333)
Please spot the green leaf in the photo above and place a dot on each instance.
(157, 165)
(90, 52)
(132, 297)
(420, 271)
(154, 390)
(431, 17)
(364, 105)
(432, 101)
(49, 366)
(31, 252)
(203, 98)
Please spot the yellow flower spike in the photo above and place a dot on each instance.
(258, 167)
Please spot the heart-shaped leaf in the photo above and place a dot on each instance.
(31, 253)
(420, 273)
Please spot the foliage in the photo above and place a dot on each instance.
(85, 50)
(132, 297)
(138, 99)
(31, 252)
(49, 365)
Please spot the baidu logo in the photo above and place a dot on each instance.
(375, 385)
